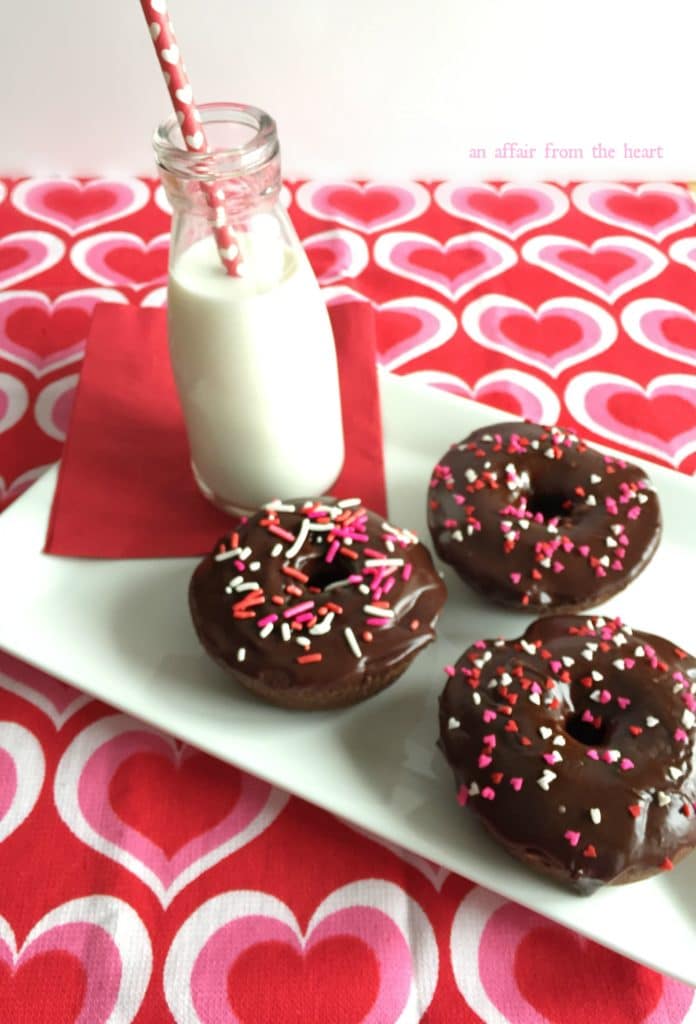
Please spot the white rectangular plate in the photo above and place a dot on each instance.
(120, 631)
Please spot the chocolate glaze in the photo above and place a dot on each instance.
(534, 517)
(576, 745)
(300, 553)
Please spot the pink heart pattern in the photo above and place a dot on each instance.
(203, 983)
(653, 209)
(35, 319)
(451, 268)
(107, 941)
(55, 699)
(20, 483)
(684, 251)
(509, 209)
(26, 254)
(14, 401)
(75, 206)
(122, 259)
(336, 254)
(495, 946)
(368, 208)
(410, 327)
(515, 392)
(53, 406)
(22, 770)
(84, 795)
(558, 334)
(609, 267)
(667, 328)
(616, 407)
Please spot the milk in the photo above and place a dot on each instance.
(255, 368)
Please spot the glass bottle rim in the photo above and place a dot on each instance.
(253, 153)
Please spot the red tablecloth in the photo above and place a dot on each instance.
(143, 881)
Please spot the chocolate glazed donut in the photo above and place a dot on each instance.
(576, 746)
(534, 518)
(316, 604)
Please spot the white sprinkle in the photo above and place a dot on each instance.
(470, 475)
(276, 550)
(323, 626)
(614, 755)
(549, 453)
(597, 676)
(224, 555)
(639, 651)
(254, 566)
(364, 589)
(559, 741)
(535, 698)
(663, 798)
(619, 639)
(244, 553)
(619, 663)
(285, 631)
(688, 719)
(350, 503)
(379, 613)
(505, 678)
(266, 630)
(605, 561)
(476, 697)
(595, 695)
(567, 660)
(241, 653)
(474, 789)
(595, 478)
(251, 585)
(528, 647)
(651, 721)
(299, 539)
(589, 655)
(546, 778)
(233, 584)
(596, 815)
(458, 536)
(610, 542)
(352, 642)
(303, 641)
(675, 772)
(453, 723)
(278, 506)
(545, 732)
(383, 561)
(590, 500)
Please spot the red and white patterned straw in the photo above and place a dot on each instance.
(181, 94)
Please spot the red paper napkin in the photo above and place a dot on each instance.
(125, 488)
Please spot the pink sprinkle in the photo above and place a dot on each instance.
(355, 577)
(484, 760)
(305, 617)
(629, 662)
(604, 697)
(572, 837)
(567, 544)
(623, 702)
(265, 620)
(516, 783)
(681, 736)
(406, 571)
(297, 609)
(549, 758)
(556, 665)
(634, 512)
(515, 577)
(449, 670)
(587, 716)
(617, 565)
(584, 550)
(625, 764)
(374, 621)
(593, 755)
(535, 688)
(480, 645)
(489, 715)
(608, 757)
(489, 740)
(462, 795)
(612, 507)
(558, 567)
(459, 498)
(487, 793)
(239, 565)
(333, 551)
(600, 571)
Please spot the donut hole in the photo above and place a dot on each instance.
(550, 504)
(587, 733)
(322, 573)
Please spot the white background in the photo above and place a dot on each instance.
(380, 88)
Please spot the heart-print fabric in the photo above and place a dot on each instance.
(53, 406)
(336, 254)
(684, 251)
(411, 327)
(368, 954)
(617, 408)
(368, 208)
(655, 210)
(42, 334)
(609, 267)
(452, 268)
(77, 206)
(512, 391)
(99, 797)
(26, 254)
(122, 259)
(22, 769)
(560, 333)
(87, 961)
(667, 328)
(14, 401)
(509, 209)
(512, 965)
(55, 699)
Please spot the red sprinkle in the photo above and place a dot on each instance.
(308, 659)
(634, 810)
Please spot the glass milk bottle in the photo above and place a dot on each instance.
(253, 354)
